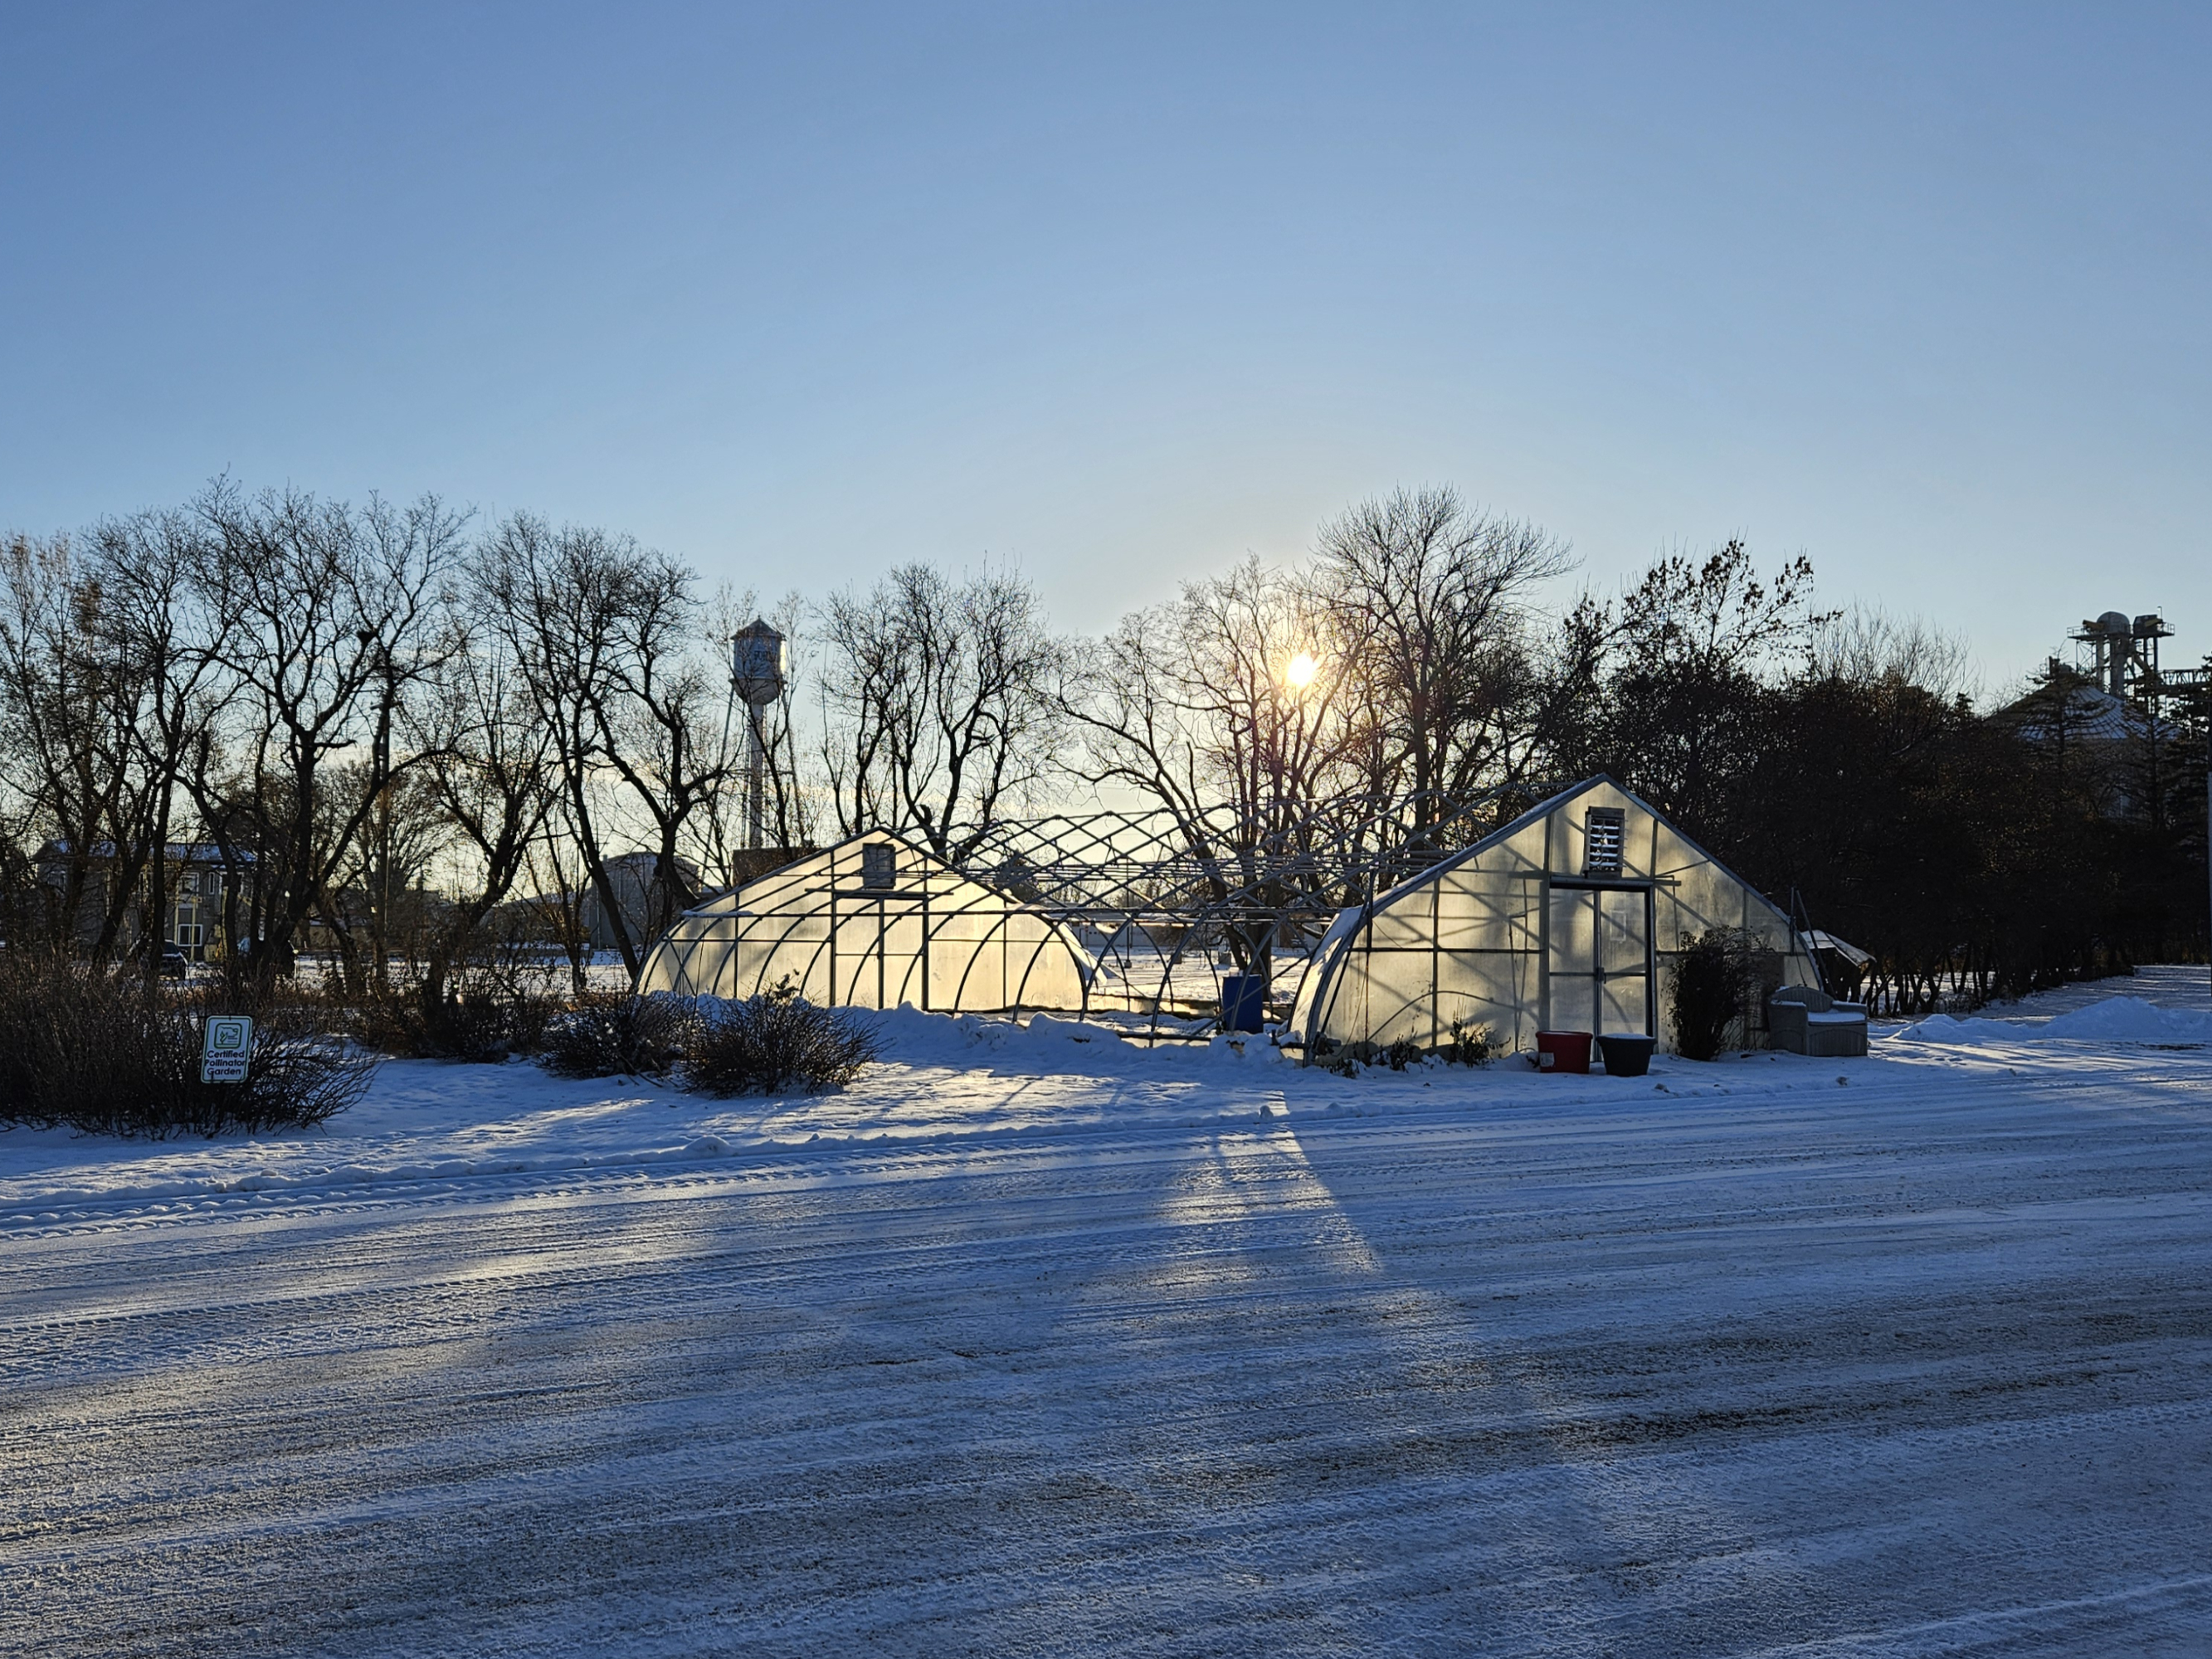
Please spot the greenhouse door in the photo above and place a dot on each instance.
(1598, 957)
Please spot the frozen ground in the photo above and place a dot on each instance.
(1048, 1345)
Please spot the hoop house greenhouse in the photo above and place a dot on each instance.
(1570, 918)
(872, 922)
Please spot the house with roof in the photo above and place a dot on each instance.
(201, 878)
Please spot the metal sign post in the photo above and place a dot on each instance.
(228, 1048)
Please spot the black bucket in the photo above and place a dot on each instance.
(1626, 1053)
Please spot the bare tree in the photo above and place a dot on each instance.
(329, 619)
(606, 636)
(488, 775)
(161, 632)
(1238, 695)
(668, 732)
(1688, 701)
(554, 889)
(1865, 646)
(69, 712)
(940, 703)
(1437, 598)
(552, 597)
(106, 682)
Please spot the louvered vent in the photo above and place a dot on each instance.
(1603, 831)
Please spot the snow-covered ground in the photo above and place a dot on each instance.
(1035, 1342)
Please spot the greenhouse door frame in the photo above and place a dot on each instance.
(875, 899)
(1597, 885)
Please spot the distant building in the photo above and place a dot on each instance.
(198, 875)
(2058, 712)
(2101, 723)
(646, 903)
(2110, 746)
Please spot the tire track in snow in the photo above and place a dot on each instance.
(1559, 1384)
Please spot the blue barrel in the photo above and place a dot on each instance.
(1244, 1001)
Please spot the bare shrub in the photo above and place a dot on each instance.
(1401, 1053)
(1470, 1045)
(619, 1036)
(473, 1021)
(517, 1023)
(1715, 976)
(778, 1041)
(86, 1049)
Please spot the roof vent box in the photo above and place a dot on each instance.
(1605, 830)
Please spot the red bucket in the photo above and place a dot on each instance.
(1563, 1051)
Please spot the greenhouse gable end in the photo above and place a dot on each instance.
(872, 922)
(1570, 918)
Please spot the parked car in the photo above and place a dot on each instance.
(174, 964)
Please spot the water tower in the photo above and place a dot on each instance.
(760, 665)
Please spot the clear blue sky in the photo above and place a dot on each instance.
(1120, 292)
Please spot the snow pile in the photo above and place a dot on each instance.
(2114, 1019)
(426, 1124)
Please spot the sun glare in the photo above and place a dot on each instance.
(1301, 671)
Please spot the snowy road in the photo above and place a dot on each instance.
(1918, 1364)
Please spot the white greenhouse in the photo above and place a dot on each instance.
(873, 922)
(1569, 918)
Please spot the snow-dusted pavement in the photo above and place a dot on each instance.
(1045, 1348)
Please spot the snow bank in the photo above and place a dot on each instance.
(2114, 1019)
(425, 1122)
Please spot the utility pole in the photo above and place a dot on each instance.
(380, 762)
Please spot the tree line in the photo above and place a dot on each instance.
(409, 737)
